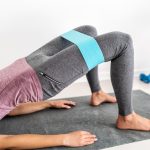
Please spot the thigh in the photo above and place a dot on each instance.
(61, 70)
(58, 44)
(66, 66)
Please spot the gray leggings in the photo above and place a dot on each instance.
(59, 62)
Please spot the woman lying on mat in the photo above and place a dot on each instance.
(26, 83)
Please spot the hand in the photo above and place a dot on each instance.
(79, 138)
(62, 104)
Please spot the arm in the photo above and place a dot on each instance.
(30, 141)
(93, 80)
(26, 108)
(34, 141)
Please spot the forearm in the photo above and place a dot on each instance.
(27, 108)
(93, 80)
(31, 141)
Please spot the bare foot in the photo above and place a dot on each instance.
(100, 97)
(79, 138)
(133, 122)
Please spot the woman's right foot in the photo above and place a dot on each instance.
(133, 122)
(79, 138)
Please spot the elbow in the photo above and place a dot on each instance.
(11, 113)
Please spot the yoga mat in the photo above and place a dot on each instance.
(98, 120)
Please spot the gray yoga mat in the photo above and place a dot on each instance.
(98, 120)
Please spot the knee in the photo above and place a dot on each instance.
(123, 43)
(87, 29)
(123, 38)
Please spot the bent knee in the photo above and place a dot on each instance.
(87, 29)
(122, 37)
(125, 43)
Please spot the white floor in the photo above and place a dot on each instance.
(81, 89)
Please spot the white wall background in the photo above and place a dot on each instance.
(25, 25)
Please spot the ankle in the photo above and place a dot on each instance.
(97, 92)
(127, 118)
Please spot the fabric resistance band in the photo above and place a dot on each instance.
(88, 46)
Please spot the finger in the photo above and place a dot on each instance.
(93, 139)
(86, 133)
(66, 106)
(89, 136)
(70, 103)
(89, 142)
(90, 139)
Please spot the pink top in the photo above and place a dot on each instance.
(18, 84)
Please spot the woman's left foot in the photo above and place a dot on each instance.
(133, 121)
(100, 97)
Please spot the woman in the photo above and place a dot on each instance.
(50, 69)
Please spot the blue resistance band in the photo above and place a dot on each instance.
(88, 46)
